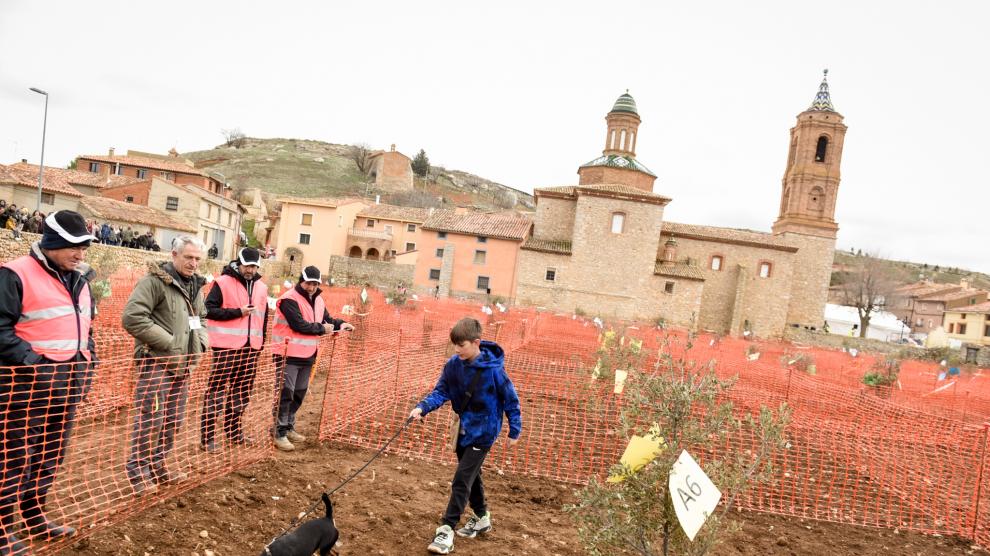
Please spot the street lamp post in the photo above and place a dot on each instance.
(44, 128)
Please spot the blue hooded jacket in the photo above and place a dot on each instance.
(481, 421)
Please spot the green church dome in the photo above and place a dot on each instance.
(625, 103)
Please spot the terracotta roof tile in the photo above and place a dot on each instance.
(500, 226)
(331, 202)
(78, 177)
(736, 236)
(54, 180)
(147, 162)
(953, 295)
(925, 289)
(978, 308)
(562, 247)
(604, 190)
(678, 270)
(104, 208)
(394, 212)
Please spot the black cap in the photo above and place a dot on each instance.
(65, 228)
(311, 274)
(249, 255)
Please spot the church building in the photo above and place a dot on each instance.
(603, 247)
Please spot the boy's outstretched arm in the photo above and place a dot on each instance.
(510, 401)
(434, 399)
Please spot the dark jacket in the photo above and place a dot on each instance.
(13, 350)
(296, 322)
(157, 315)
(214, 301)
(481, 421)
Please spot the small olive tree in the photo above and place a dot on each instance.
(684, 405)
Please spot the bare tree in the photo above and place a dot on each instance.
(361, 155)
(233, 137)
(869, 286)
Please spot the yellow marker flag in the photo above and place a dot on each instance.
(640, 451)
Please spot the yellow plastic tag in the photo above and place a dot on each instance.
(640, 451)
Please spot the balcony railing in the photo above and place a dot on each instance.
(370, 234)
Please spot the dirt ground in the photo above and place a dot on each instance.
(392, 508)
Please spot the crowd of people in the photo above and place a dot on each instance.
(48, 357)
(20, 220)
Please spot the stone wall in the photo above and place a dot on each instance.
(812, 271)
(346, 271)
(737, 295)
(554, 219)
(123, 256)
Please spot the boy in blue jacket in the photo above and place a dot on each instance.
(475, 383)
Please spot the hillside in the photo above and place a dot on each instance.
(911, 272)
(305, 168)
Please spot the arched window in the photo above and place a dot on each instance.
(371, 254)
(716, 263)
(622, 141)
(632, 141)
(816, 199)
(611, 143)
(355, 252)
(821, 149)
(618, 222)
(766, 267)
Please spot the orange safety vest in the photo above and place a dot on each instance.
(299, 345)
(55, 327)
(235, 333)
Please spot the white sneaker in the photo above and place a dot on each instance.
(443, 542)
(294, 436)
(282, 443)
(476, 525)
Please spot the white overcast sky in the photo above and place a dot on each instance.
(517, 92)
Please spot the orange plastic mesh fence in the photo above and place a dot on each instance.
(912, 455)
(909, 456)
(135, 439)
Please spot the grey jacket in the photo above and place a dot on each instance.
(157, 315)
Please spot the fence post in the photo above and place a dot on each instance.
(787, 394)
(398, 354)
(979, 480)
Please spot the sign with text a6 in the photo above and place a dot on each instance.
(693, 493)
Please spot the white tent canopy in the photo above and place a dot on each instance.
(883, 326)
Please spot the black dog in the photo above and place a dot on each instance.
(317, 535)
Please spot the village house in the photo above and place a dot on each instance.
(603, 247)
(922, 305)
(19, 186)
(382, 232)
(391, 170)
(145, 166)
(215, 218)
(311, 230)
(970, 325)
(470, 254)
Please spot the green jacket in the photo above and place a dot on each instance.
(157, 315)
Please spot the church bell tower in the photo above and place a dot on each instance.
(811, 179)
(807, 206)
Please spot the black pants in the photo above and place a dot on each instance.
(37, 408)
(229, 387)
(294, 381)
(466, 486)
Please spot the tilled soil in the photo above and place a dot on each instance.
(393, 508)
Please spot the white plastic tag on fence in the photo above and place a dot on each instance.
(364, 295)
(693, 493)
(620, 380)
(271, 303)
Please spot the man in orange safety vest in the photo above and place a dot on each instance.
(236, 317)
(47, 357)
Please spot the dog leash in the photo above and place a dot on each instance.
(295, 522)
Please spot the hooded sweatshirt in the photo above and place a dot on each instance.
(494, 395)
